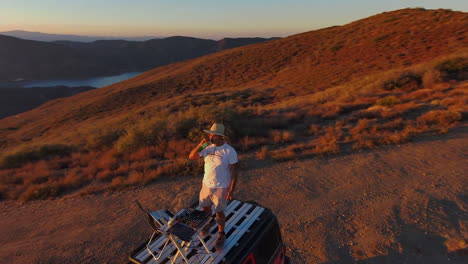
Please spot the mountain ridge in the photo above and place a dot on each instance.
(36, 60)
(40, 36)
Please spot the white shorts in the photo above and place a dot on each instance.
(213, 196)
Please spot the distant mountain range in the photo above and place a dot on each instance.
(39, 36)
(39, 60)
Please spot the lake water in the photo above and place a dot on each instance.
(97, 82)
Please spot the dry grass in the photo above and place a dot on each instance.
(284, 154)
(249, 143)
(40, 191)
(439, 120)
(263, 153)
(282, 136)
(328, 143)
(275, 107)
(430, 79)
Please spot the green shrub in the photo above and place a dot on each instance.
(35, 154)
(388, 101)
(454, 69)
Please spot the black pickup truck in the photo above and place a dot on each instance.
(252, 232)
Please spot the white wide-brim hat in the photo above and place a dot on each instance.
(216, 129)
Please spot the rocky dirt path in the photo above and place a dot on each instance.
(398, 204)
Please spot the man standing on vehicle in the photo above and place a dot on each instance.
(219, 180)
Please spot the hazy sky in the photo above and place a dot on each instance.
(200, 18)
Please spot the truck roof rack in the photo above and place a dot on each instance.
(244, 220)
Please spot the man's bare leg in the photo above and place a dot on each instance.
(208, 226)
(221, 219)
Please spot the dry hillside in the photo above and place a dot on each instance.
(381, 80)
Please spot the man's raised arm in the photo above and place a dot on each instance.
(194, 153)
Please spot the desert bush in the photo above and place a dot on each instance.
(105, 175)
(177, 149)
(136, 177)
(396, 124)
(9, 177)
(37, 173)
(206, 115)
(144, 153)
(35, 154)
(40, 191)
(399, 110)
(82, 159)
(143, 165)
(187, 125)
(74, 179)
(407, 81)
(398, 137)
(263, 153)
(284, 154)
(388, 101)
(103, 138)
(282, 136)
(146, 133)
(180, 168)
(447, 101)
(118, 182)
(362, 126)
(330, 111)
(363, 134)
(328, 143)
(123, 168)
(439, 119)
(423, 95)
(363, 143)
(454, 69)
(130, 141)
(152, 175)
(92, 188)
(108, 160)
(370, 113)
(430, 78)
(248, 143)
(90, 171)
(314, 130)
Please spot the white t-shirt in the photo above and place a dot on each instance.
(217, 161)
